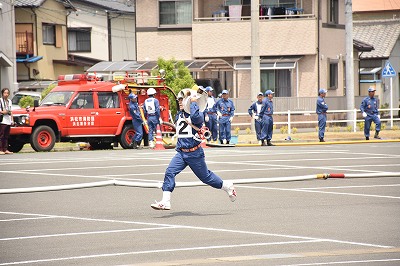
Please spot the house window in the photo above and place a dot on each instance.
(333, 75)
(175, 13)
(278, 80)
(49, 33)
(79, 40)
(333, 11)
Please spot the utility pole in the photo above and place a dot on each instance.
(349, 61)
(255, 52)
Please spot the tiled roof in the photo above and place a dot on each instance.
(381, 34)
(375, 5)
(125, 6)
(29, 3)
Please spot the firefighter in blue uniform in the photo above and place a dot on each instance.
(322, 107)
(137, 121)
(226, 110)
(152, 113)
(254, 112)
(210, 115)
(190, 153)
(267, 121)
(369, 108)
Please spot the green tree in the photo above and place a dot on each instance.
(25, 102)
(47, 90)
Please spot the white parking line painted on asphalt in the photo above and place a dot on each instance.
(366, 186)
(205, 229)
(341, 262)
(25, 219)
(87, 233)
(163, 251)
(321, 192)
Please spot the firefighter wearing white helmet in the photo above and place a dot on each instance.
(189, 151)
(152, 113)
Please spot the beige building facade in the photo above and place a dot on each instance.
(302, 43)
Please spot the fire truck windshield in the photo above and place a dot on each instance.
(57, 98)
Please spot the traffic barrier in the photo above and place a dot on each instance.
(158, 185)
(159, 140)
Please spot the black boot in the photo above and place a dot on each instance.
(227, 142)
(263, 143)
(376, 136)
(269, 143)
(134, 144)
(221, 141)
(366, 138)
(321, 140)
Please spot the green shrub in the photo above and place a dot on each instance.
(349, 128)
(26, 101)
(294, 130)
(248, 131)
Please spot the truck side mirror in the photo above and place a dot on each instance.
(35, 103)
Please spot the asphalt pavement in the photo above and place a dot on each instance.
(353, 220)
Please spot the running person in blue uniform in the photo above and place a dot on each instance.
(137, 121)
(190, 153)
(267, 121)
(152, 113)
(226, 110)
(254, 112)
(322, 107)
(369, 109)
(210, 115)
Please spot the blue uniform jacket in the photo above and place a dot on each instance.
(225, 107)
(370, 106)
(322, 107)
(268, 107)
(253, 108)
(197, 119)
(135, 111)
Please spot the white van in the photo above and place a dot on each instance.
(18, 96)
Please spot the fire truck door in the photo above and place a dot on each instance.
(82, 117)
(110, 111)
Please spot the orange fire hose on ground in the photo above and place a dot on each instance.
(145, 125)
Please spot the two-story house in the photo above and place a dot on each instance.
(302, 42)
(377, 22)
(57, 37)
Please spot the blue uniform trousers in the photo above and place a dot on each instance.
(152, 122)
(267, 127)
(224, 128)
(258, 126)
(196, 161)
(368, 121)
(212, 125)
(137, 126)
(321, 125)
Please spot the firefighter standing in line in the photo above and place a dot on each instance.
(322, 107)
(136, 121)
(190, 153)
(226, 110)
(254, 112)
(210, 115)
(152, 113)
(268, 122)
(369, 109)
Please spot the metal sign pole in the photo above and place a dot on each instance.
(391, 102)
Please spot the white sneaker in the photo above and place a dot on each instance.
(151, 144)
(230, 189)
(161, 206)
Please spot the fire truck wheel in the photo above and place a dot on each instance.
(126, 136)
(15, 146)
(43, 138)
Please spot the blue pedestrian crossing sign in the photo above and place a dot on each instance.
(388, 71)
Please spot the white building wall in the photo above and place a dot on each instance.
(123, 38)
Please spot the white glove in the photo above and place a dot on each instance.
(364, 114)
(255, 117)
(206, 118)
(379, 117)
(161, 121)
(230, 119)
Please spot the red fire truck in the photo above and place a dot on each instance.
(82, 108)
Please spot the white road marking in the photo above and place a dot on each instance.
(24, 219)
(321, 192)
(366, 186)
(162, 251)
(342, 262)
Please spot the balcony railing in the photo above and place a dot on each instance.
(24, 43)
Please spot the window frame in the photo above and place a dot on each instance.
(44, 34)
(333, 12)
(333, 81)
(80, 29)
(175, 25)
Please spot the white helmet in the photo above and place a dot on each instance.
(151, 91)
